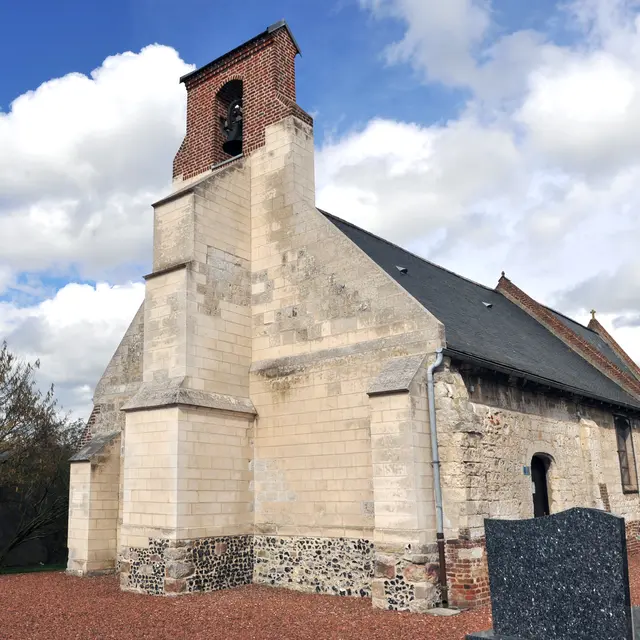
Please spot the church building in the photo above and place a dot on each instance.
(300, 403)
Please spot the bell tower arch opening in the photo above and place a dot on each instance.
(229, 106)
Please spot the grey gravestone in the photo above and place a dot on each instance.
(561, 577)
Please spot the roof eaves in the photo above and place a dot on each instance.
(504, 368)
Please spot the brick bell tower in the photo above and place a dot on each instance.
(261, 75)
(186, 519)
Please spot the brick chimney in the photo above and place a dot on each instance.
(261, 72)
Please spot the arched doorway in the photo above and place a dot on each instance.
(540, 487)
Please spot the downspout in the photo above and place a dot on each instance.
(437, 488)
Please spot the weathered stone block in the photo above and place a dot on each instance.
(377, 589)
(385, 567)
(174, 586)
(427, 591)
(415, 573)
(220, 548)
(175, 554)
(145, 570)
(178, 570)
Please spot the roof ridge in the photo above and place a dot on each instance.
(572, 339)
(415, 255)
(564, 315)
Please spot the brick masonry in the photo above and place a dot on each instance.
(569, 337)
(633, 536)
(467, 574)
(266, 67)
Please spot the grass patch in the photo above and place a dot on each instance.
(33, 569)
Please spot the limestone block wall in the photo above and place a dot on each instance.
(325, 320)
(197, 300)
(165, 322)
(150, 476)
(219, 352)
(186, 475)
(407, 564)
(93, 513)
(214, 477)
(401, 468)
(186, 478)
(186, 471)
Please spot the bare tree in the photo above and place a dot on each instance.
(36, 441)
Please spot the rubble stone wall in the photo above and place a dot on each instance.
(488, 432)
(170, 567)
(337, 566)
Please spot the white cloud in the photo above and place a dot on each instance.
(408, 180)
(74, 334)
(441, 38)
(583, 113)
(81, 160)
(539, 175)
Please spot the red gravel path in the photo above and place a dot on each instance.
(54, 606)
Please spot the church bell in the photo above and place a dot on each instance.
(233, 129)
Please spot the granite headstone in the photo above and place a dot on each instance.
(560, 577)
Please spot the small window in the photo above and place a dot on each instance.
(626, 455)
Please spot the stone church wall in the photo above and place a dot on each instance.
(488, 432)
(325, 321)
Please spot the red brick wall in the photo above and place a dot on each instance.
(266, 67)
(633, 535)
(467, 577)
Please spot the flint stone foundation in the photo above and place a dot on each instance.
(187, 566)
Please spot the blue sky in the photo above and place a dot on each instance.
(342, 76)
(486, 135)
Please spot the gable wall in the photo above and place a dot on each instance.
(325, 319)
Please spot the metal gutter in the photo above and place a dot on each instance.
(437, 486)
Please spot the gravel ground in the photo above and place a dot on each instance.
(54, 606)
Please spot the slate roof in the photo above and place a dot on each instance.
(502, 333)
(595, 341)
(94, 447)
